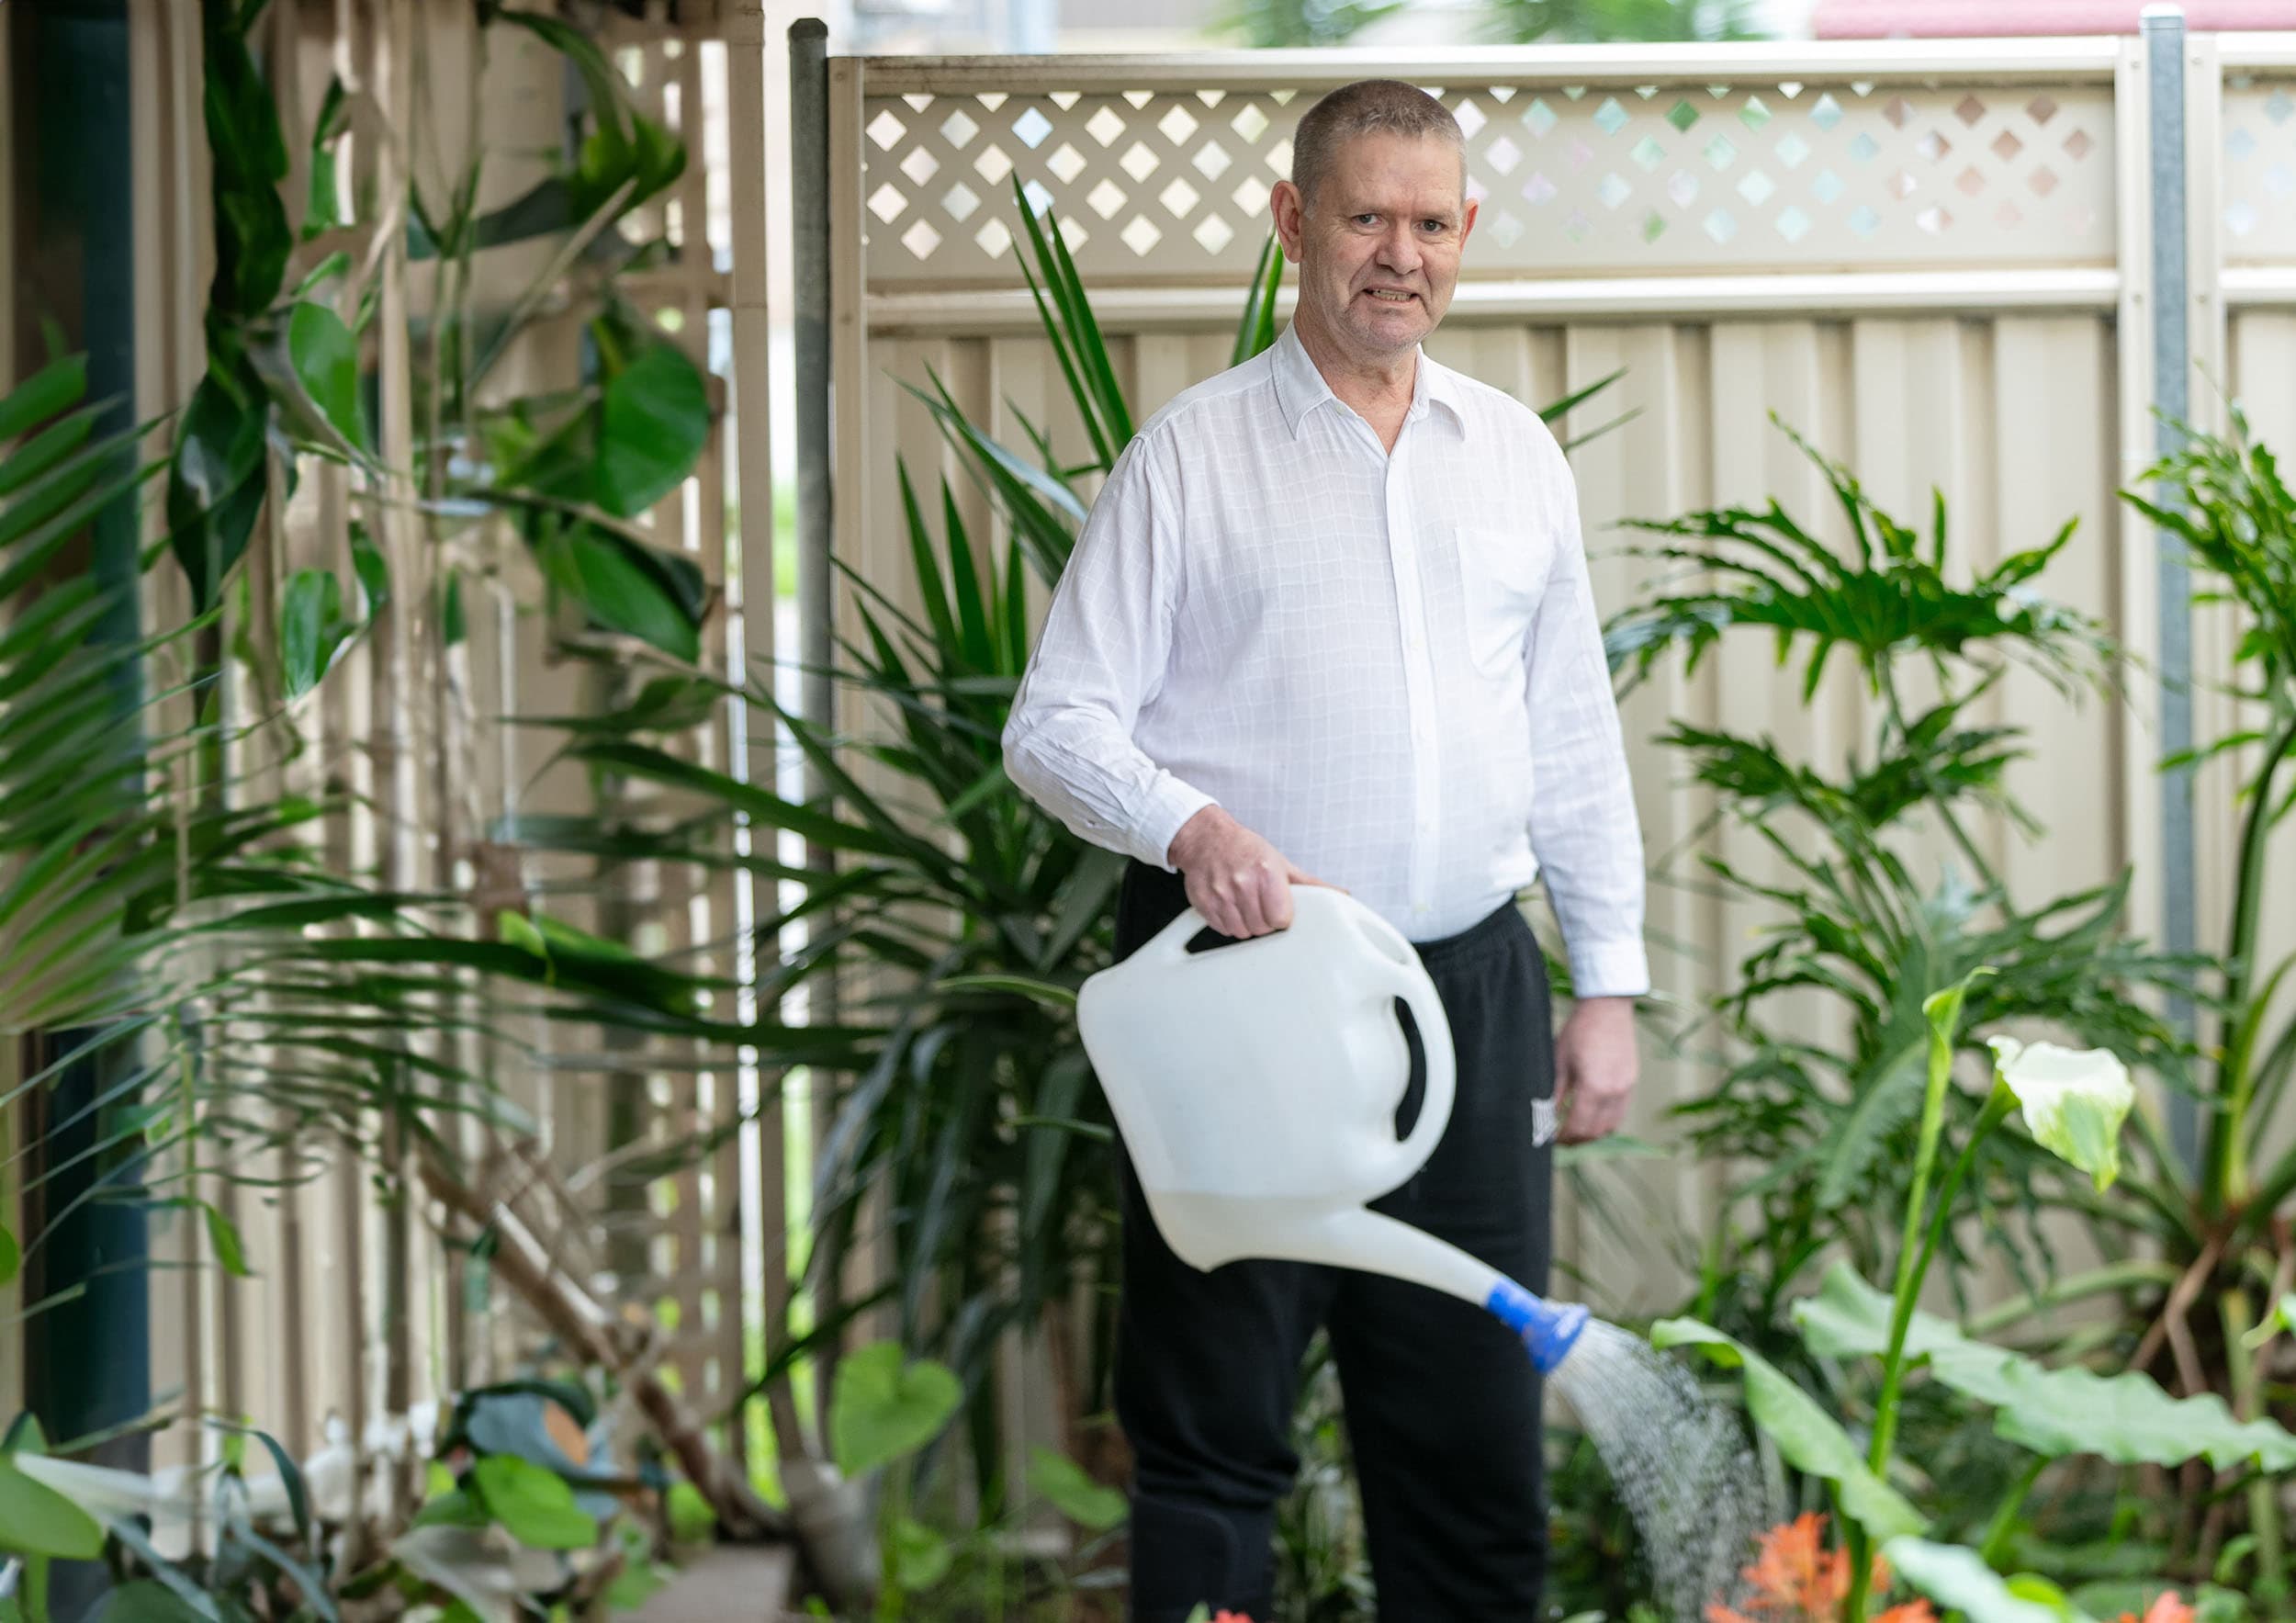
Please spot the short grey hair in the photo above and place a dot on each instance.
(1368, 106)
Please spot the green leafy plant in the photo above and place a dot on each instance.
(2073, 1104)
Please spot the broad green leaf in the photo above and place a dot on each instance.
(37, 1520)
(887, 1407)
(626, 587)
(223, 1234)
(638, 1581)
(326, 358)
(920, 1556)
(535, 1507)
(2125, 1418)
(1076, 1495)
(215, 488)
(652, 426)
(1809, 1438)
(1954, 1576)
(312, 630)
(2074, 1101)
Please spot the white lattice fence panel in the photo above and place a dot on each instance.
(1571, 179)
(2259, 169)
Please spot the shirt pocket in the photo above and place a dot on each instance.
(1502, 576)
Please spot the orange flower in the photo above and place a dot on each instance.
(1795, 1579)
(1226, 1616)
(2167, 1607)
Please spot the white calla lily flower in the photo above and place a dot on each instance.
(2074, 1100)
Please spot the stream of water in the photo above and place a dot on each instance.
(1682, 1463)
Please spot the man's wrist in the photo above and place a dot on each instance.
(1192, 834)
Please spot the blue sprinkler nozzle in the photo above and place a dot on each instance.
(1549, 1330)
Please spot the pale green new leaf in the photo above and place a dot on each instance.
(887, 1407)
(2074, 1101)
(1959, 1581)
(2126, 1418)
(1809, 1438)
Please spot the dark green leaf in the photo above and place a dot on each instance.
(312, 630)
(654, 420)
(326, 358)
(626, 587)
(215, 486)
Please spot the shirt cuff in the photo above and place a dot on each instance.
(1168, 811)
(1609, 969)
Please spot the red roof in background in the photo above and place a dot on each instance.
(1930, 19)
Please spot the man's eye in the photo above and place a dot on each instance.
(1365, 218)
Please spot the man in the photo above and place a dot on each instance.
(1329, 623)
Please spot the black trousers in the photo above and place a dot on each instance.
(1442, 1404)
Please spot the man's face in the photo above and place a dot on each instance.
(1378, 251)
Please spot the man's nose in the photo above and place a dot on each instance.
(1398, 250)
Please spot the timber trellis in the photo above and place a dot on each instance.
(1933, 259)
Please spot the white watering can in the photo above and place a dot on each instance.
(1255, 1088)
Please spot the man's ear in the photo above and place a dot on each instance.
(1289, 213)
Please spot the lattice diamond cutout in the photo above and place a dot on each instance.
(1720, 226)
(1249, 198)
(920, 166)
(2241, 218)
(1137, 161)
(1682, 187)
(1826, 112)
(2241, 145)
(1502, 155)
(1863, 221)
(2042, 180)
(1827, 186)
(1506, 230)
(1647, 153)
(1250, 123)
(1180, 198)
(1032, 126)
(1933, 219)
(1066, 99)
(1610, 118)
(960, 201)
(1754, 115)
(992, 165)
(1681, 116)
(1756, 187)
(2281, 108)
(1212, 160)
(1177, 125)
(2279, 180)
(2041, 110)
(1899, 112)
(1075, 236)
(1932, 146)
(921, 238)
(993, 238)
(1970, 181)
(1105, 126)
(1279, 159)
(1864, 148)
(1538, 189)
(1539, 117)
(886, 131)
(1212, 233)
(1067, 163)
(2077, 144)
(2007, 146)
(1653, 226)
(1720, 152)
(886, 203)
(1038, 198)
(2007, 215)
(958, 129)
(1792, 224)
(1969, 109)
(1791, 151)
(1470, 119)
(1902, 185)
(1616, 189)
(1141, 235)
(1105, 199)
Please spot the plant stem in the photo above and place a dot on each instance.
(2264, 1510)
(2226, 1178)
(1995, 1550)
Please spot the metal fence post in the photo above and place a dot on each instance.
(2164, 32)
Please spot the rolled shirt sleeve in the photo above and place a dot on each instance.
(1068, 742)
(1584, 827)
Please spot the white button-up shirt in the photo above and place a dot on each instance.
(1388, 664)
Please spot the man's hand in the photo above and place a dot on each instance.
(1236, 879)
(1595, 1066)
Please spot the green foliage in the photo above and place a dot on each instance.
(887, 1407)
(1521, 22)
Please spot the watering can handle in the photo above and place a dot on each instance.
(1408, 981)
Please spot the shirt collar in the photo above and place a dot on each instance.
(1300, 387)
